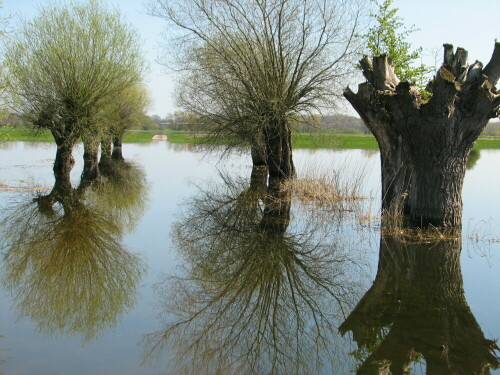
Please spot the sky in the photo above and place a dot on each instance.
(463, 23)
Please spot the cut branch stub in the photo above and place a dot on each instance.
(492, 69)
(456, 62)
(367, 68)
(459, 61)
(448, 54)
(384, 76)
(475, 71)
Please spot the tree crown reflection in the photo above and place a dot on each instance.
(63, 260)
(262, 288)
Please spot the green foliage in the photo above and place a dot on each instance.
(69, 63)
(389, 36)
(4, 82)
(127, 110)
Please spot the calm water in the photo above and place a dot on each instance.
(260, 281)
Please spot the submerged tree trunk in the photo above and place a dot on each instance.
(426, 145)
(258, 179)
(278, 140)
(90, 161)
(117, 148)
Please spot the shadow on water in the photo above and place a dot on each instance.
(63, 260)
(260, 291)
(416, 311)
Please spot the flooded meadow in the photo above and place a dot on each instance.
(181, 262)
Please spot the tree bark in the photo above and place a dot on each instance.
(278, 140)
(64, 161)
(258, 179)
(437, 181)
(105, 159)
(424, 146)
(117, 148)
(258, 151)
(395, 163)
(90, 161)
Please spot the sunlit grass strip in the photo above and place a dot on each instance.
(33, 135)
(299, 140)
(25, 135)
(333, 141)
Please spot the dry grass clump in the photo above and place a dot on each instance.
(422, 235)
(22, 189)
(329, 185)
(319, 190)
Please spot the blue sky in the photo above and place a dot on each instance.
(471, 25)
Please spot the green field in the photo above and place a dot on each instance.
(302, 140)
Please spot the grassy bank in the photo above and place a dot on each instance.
(30, 135)
(302, 140)
(332, 141)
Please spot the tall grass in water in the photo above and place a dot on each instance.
(338, 185)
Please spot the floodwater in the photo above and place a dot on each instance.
(183, 263)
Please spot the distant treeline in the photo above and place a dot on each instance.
(184, 121)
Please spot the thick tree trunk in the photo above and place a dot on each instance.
(90, 161)
(105, 159)
(437, 182)
(258, 178)
(258, 151)
(426, 145)
(395, 163)
(278, 140)
(64, 162)
(117, 148)
(418, 297)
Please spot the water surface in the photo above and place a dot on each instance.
(97, 282)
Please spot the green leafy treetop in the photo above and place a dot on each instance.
(389, 36)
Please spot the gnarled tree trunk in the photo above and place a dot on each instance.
(64, 161)
(395, 163)
(424, 146)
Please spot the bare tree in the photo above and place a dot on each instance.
(251, 65)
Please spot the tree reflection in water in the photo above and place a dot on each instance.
(63, 260)
(416, 309)
(258, 292)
